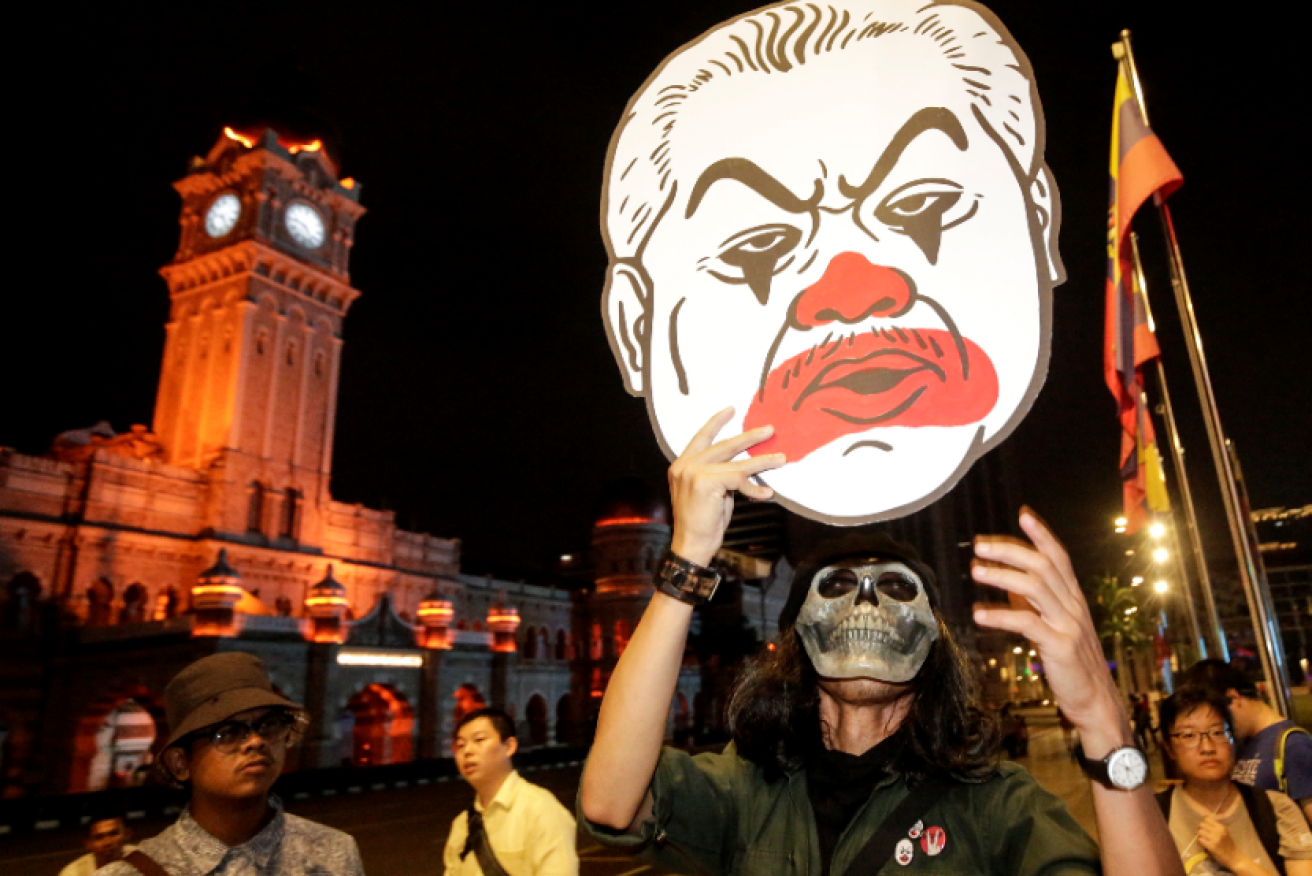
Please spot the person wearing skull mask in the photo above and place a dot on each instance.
(865, 703)
(864, 613)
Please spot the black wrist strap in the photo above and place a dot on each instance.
(879, 849)
(685, 580)
(1094, 769)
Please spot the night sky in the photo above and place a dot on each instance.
(478, 394)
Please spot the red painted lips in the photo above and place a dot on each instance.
(897, 377)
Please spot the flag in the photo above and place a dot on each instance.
(1140, 168)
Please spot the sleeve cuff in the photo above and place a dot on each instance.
(650, 828)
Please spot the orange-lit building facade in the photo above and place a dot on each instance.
(123, 557)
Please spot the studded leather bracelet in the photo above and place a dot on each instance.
(684, 580)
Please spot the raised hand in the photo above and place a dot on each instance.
(1048, 608)
(631, 725)
(703, 480)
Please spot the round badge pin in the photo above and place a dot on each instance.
(916, 830)
(934, 841)
(904, 851)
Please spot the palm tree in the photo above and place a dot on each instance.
(1120, 622)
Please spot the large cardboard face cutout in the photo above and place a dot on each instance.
(837, 218)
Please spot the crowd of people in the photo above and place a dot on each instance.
(859, 740)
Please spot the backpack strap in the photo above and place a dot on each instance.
(1164, 802)
(1263, 816)
(1281, 778)
(145, 864)
(478, 843)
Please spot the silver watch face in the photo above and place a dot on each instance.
(1126, 768)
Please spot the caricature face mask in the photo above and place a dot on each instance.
(867, 618)
(837, 219)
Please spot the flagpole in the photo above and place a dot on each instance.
(1265, 629)
(1214, 642)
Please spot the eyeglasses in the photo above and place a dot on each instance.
(1193, 738)
(274, 728)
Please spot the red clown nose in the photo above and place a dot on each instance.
(851, 290)
(871, 376)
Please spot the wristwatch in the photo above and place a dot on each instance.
(685, 580)
(1123, 770)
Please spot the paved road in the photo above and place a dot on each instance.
(402, 831)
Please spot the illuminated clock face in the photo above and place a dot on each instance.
(222, 215)
(304, 225)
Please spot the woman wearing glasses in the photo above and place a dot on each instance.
(1220, 826)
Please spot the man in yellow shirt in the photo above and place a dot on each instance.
(513, 827)
(107, 836)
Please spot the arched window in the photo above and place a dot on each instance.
(383, 728)
(621, 637)
(562, 645)
(134, 605)
(468, 698)
(100, 601)
(291, 514)
(255, 508)
(167, 603)
(21, 607)
(536, 712)
(113, 742)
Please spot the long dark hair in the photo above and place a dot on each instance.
(774, 714)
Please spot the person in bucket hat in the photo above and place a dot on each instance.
(230, 732)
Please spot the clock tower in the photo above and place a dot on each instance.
(259, 288)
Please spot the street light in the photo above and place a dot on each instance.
(1160, 586)
(1136, 580)
(1121, 521)
(1016, 650)
(1157, 530)
(1161, 555)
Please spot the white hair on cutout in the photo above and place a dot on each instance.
(776, 39)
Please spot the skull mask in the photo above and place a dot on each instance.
(867, 618)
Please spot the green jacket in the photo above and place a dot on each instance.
(715, 813)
